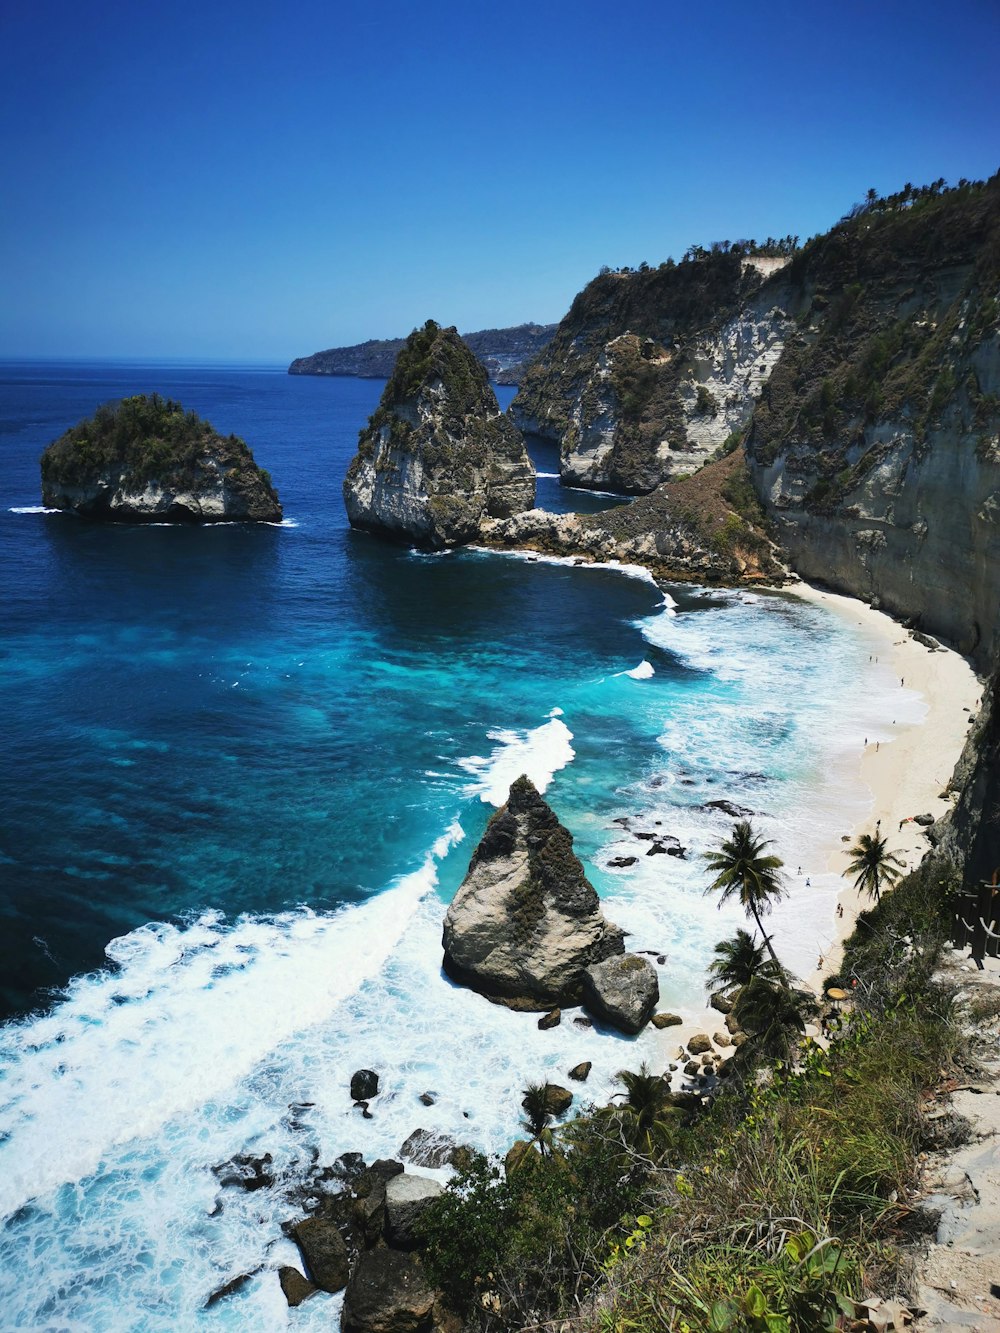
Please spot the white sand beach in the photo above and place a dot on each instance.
(902, 774)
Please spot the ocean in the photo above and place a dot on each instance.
(245, 769)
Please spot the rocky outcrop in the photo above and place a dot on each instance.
(437, 457)
(526, 922)
(406, 1200)
(388, 1293)
(504, 353)
(650, 371)
(324, 1251)
(707, 528)
(622, 991)
(145, 459)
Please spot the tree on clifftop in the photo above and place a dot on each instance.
(743, 871)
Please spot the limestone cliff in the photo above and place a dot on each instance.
(145, 459)
(526, 922)
(437, 457)
(876, 445)
(650, 371)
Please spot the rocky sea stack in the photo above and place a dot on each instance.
(526, 924)
(145, 459)
(438, 456)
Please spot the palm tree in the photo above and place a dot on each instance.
(538, 1115)
(643, 1115)
(874, 865)
(744, 871)
(738, 960)
(774, 1017)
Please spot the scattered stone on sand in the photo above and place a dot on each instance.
(700, 1043)
(722, 1000)
(666, 1020)
(722, 1039)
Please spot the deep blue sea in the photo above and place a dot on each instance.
(244, 771)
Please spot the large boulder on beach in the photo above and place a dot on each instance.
(526, 922)
(438, 456)
(388, 1293)
(145, 459)
(622, 991)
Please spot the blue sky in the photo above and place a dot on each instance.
(248, 182)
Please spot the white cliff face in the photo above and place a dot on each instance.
(113, 494)
(731, 369)
(389, 488)
(715, 397)
(586, 446)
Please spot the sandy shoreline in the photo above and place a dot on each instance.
(905, 772)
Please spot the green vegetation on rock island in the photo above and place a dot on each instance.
(145, 458)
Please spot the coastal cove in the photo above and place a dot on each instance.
(247, 769)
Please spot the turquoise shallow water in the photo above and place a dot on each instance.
(245, 770)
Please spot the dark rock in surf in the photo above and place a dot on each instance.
(526, 922)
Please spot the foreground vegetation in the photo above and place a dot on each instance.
(774, 1208)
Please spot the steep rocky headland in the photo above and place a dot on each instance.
(145, 459)
(651, 371)
(438, 456)
(854, 383)
(504, 352)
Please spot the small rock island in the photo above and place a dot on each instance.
(526, 928)
(145, 459)
(438, 456)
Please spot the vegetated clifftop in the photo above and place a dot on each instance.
(651, 371)
(145, 459)
(504, 352)
(437, 457)
(876, 445)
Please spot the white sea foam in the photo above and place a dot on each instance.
(189, 1013)
(577, 562)
(215, 1039)
(31, 509)
(641, 672)
(550, 476)
(218, 1038)
(540, 753)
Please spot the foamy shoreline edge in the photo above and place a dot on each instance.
(906, 777)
